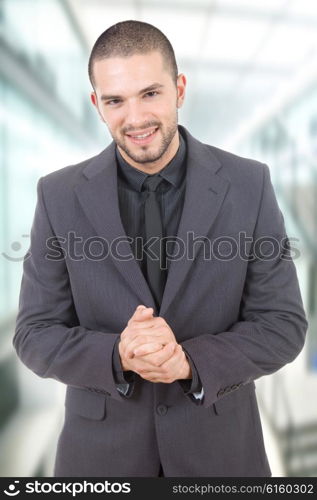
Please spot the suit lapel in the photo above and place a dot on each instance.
(205, 192)
(97, 192)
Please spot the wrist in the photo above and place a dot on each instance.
(187, 372)
(123, 364)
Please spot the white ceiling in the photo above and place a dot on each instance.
(236, 54)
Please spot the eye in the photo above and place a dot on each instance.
(112, 102)
(152, 92)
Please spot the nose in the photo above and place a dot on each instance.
(135, 115)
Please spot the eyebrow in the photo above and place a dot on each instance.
(105, 97)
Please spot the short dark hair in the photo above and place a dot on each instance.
(127, 38)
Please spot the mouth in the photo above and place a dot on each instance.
(144, 136)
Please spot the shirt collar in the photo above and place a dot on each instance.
(173, 172)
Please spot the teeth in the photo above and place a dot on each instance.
(144, 135)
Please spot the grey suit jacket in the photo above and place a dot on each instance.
(238, 314)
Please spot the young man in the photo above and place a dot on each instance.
(162, 318)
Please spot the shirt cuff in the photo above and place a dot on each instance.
(125, 389)
(199, 395)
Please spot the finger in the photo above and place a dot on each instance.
(155, 360)
(174, 359)
(135, 330)
(141, 336)
(141, 313)
(146, 323)
(140, 307)
(139, 365)
(170, 371)
(139, 340)
(145, 362)
(169, 362)
(154, 378)
(147, 348)
(156, 334)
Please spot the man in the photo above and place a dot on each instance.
(159, 343)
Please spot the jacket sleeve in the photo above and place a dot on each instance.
(124, 379)
(271, 327)
(192, 387)
(48, 338)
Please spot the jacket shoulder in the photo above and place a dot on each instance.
(233, 162)
(69, 175)
(247, 175)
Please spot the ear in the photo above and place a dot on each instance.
(181, 86)
(93, 99)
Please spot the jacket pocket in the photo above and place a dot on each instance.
(85, 403)
(235, 398)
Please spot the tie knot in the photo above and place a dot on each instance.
(152, 181)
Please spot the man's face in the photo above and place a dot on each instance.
(138, 100)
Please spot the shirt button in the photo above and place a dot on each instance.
(161, 409)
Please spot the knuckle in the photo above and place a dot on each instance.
(132, 323)
(144, 370)
(160, 330)
(133, 327)
(139, 351)
(164, 371)
(135, 332)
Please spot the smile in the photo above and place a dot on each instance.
(144, 138)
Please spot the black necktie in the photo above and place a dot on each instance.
(155, 264)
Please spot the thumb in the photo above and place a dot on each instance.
(142, 313)
(140, 307)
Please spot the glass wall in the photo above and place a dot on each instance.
(46, 122)
(287, 142)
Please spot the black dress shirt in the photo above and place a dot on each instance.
(132, 195)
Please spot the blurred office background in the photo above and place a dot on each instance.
(251, 69)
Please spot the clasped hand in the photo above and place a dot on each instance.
(148, 347)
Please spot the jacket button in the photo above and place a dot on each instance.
(161, 409)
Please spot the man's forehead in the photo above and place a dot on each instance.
(111, 74)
